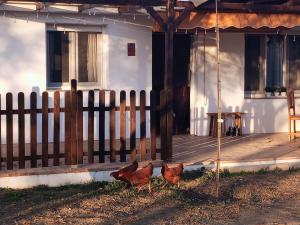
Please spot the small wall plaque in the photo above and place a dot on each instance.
(131, 49)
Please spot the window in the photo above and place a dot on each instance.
(294, 61)
(271, 61)
(74, 55)
(274, 60)
(253, 62)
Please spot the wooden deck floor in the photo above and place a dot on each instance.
(201, 150)
(252, 147)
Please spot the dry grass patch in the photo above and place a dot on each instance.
(193, 203)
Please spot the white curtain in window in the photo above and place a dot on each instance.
(92, 58)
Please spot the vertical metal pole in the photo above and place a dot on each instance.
(219, 100)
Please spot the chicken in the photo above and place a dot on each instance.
(125, 172)
(142, 177)
(172, 175)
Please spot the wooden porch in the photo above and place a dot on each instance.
(251, 147)
(193, 150)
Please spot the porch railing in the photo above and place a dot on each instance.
(73, 110)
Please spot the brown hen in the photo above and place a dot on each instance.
(125, 172)
(172, 175)
(142, 177)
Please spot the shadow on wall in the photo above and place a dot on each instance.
(262, 115)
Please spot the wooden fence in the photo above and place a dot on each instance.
(73, 124)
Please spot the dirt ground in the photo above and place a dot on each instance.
(260, 198)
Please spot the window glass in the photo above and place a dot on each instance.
(275, 47)
(294, 61)
(252, 63)
(87, 57)
(58, 44)
(74, 55)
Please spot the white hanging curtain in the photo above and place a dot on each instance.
(92, 50)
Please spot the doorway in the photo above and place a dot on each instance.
(181, 78)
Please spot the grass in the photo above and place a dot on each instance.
(117, 187)
(108, 200)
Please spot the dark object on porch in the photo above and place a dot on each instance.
(237, 116)
(292, 116)
(142, 177)
(124, 173)
(172, 175)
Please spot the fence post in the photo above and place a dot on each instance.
(73, 125)
(74, 85)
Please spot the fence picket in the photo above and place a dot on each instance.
(45, 129)
(9, 130)
(68, 128)
(123, 126)
(0, 139)
(143, 125)
(33, 127)
(101, 126)
(91, 127)
(21, 133)
(79, 119)
(132, 125)
(112, 129)
(56, 128)
(73, 111)
(73, 129)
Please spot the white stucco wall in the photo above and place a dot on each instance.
(262, 115)
(23, 64)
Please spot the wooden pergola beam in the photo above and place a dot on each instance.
(155, 15)
(183, 15)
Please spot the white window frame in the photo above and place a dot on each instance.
(73, 56)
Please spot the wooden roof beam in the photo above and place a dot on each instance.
(84, 7)
(103, 2)
(42, 5)
(293, 2)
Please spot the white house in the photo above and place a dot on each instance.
(42, 50)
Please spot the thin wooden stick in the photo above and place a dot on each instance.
(219, 100)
